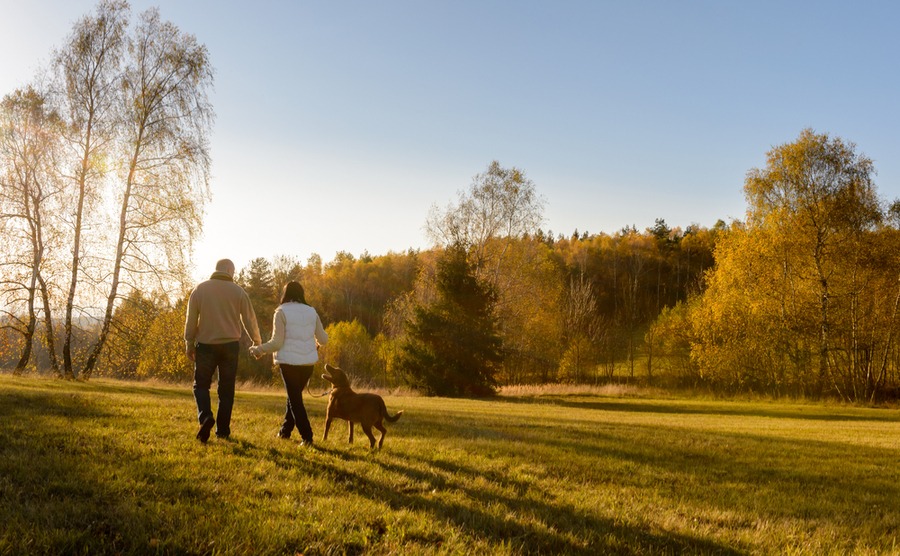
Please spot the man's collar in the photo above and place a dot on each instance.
(218, 275)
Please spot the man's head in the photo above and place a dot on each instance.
(225, 265)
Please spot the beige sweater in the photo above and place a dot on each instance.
(217, 310)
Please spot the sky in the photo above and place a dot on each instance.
(340, 124)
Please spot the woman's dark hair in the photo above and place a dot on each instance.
(293, 291)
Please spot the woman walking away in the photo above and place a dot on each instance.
(297, 333)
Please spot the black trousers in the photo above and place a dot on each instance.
(295, 378)
(208, 359)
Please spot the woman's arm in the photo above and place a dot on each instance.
(321, 336)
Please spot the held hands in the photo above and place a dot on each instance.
(255, 352)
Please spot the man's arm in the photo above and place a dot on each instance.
(248, 317)
(190, 326)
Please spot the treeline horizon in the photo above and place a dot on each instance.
(684, 308)
(361, 301)
(801, 299)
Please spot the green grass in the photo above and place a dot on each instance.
(113, 467)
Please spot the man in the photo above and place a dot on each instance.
(217, 311)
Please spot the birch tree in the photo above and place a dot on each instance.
(88, 71)
(501, 204)
(29, 137)
(162, 184)
(818, 192)
(801, 297)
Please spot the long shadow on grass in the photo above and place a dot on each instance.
(537, 526)
(800, 477)
(676, 408)
(70, 484)
(822, 485)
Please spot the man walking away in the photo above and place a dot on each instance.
(217, 311)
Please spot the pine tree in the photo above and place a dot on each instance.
(452, 346)
(258, 281)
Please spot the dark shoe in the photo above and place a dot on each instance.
(223, 436)
(283, 436)
(306, 444)
(203, 433)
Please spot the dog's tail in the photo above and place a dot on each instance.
(392, 418)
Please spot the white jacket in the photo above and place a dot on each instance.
(296, 333)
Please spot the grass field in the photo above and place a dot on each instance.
(110, 467)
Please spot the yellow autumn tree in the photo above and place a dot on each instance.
(162, 353)
(798, 301)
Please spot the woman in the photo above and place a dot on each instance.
(296, 336)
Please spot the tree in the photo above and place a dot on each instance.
(162, 353)
(87, 67)
(583, 326)
(258, 281)
(494, 221)
(350, 347)
(529, 312)
(796, 301)
(131, 324)
(636, 251)
(820, 192)
(669, 344)
(502, 203)
(163, 183)
(29, 195)
(452, 347)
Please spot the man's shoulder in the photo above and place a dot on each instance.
(213, 285)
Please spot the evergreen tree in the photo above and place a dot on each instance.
(258, 281)
(452, 346)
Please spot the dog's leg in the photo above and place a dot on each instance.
(380, 426)
(328, 420)
(368, 430)
(351, 432)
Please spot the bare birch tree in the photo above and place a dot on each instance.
(164, 121)
(88, 68)
(29, 136)
(501, 204)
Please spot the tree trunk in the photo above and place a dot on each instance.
(48, 326)
(76, 262)
(28, 334)
(117, 266)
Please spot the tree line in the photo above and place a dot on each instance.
(801, 298)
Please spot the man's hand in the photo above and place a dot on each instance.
(190, 354)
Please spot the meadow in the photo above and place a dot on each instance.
(109, 467)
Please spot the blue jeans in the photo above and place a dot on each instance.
(208, 358)
(295, 378)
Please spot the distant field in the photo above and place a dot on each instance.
(110, 467)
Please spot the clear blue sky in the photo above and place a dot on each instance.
(340, 123)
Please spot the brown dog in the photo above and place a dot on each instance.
(366, 409)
